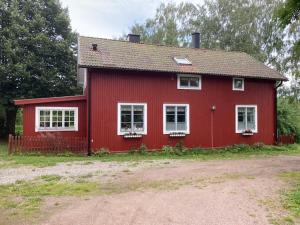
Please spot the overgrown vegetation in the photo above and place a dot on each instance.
(291, 199)
(23, 198)
(167, 152)
(288, 112)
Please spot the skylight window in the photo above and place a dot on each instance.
(182, 61)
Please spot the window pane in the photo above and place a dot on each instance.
(184, 81)
(238, 83)
(170, 126)
(194, 82)
(181, 126)
(45, 118)
(138, 127)
(125, 127)
(251, 118)
(241, 118)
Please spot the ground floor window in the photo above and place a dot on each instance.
(132, 118)
(175, 118)
(56, 119)
(246, 118)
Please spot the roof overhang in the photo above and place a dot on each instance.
(49, 100)
(183, 70)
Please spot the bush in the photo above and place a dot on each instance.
(143, 149)
(288, 117)
(101, 152)
(168, 150)
(180, 149)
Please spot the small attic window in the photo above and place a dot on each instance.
(182, 61)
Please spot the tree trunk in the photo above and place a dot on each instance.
(11, 114)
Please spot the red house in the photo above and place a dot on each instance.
(137, 93)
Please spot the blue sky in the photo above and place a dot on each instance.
(110, 18)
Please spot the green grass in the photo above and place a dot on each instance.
(291, 198)
(234, 152)
(24, 198)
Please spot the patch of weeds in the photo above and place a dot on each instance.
(126, 171)
(25, 197)
(87, 163)
(86, 176)
(51, 177)
(143, 149)
(101, 152)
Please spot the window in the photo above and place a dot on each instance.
(246, 118)
(176, 118)
(238, 84)
(182, 61)
(186, 81)
(132, 118)
(56, 119)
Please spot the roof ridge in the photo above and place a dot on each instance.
(162, 45)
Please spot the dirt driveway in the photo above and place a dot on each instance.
(231, 192)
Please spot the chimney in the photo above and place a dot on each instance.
(134, 38)
(195, 40)
(94, 47)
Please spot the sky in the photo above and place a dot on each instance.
(110, 18)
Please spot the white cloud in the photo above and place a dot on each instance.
(110, 18)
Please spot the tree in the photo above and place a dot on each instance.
(236, 25)
(289, 16)
(37, 48)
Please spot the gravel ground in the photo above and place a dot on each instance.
(74, 169)
(229, 192)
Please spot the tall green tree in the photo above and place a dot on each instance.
(37, 48)
(289, 16)
(235, 25)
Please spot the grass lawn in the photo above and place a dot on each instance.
(233, 152)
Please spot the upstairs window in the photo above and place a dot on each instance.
(186, 81)
(56, 119)
(176, 118)
(246, 118)
(238, 84)
(182, 61)
(132, 118)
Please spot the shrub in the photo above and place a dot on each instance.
(101, 152)
(143, 149)
(179, 148)
(168, 150)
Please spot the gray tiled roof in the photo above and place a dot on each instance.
(133, 56)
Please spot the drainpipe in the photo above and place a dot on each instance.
(89, 112)
(213, 109)
(275, 110)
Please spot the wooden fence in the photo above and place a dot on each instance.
(47, 144)
(286, 139)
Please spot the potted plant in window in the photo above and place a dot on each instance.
(247, 132)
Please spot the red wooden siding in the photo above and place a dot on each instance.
(110, 87)
(29, 119)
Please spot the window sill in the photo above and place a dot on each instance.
(132, 135)
(56, 130)
(177, 134)
(247, 134)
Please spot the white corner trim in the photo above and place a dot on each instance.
(57, 129)
(119, 132)
(189, 88)
(236, 118)
(187, 131)
(237, 89)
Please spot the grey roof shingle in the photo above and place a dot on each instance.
(133, 56)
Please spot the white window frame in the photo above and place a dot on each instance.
(189, 88)
(238, 89)
(119, 117)
(236, 118)
(187, 131)
(182, 61)
(53, 129)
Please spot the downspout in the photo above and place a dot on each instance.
(275, 110)
(89, 152)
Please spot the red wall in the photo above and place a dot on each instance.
(155, 89)
(29, 119)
